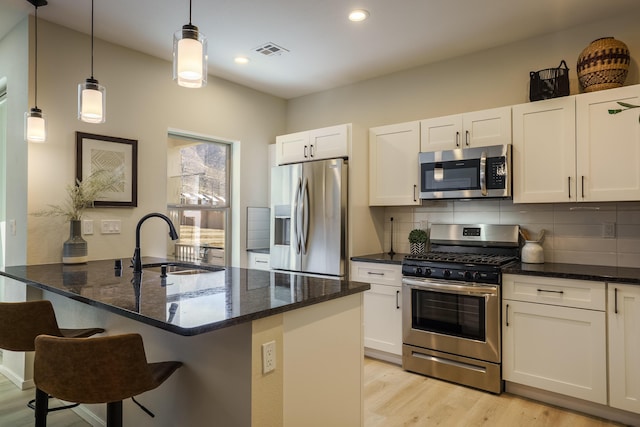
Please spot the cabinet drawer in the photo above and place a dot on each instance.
(554, 291)
(369, 272)
(258, 261)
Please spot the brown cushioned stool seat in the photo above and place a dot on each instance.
(95, 370)
(22, 322)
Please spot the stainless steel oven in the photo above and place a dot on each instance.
(451, 304)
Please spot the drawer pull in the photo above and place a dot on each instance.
(259, 261)
(397, 299)
(507, 315)
(375, 273)
(547, 290)
(615, 302)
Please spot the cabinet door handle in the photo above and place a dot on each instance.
(311, 150)
(507, 315)
(569, 186)
(398, 300)
(457, 139)
(305, 152)
(414, 193)
(373, 273)
(467, 138)
(258, 261)
(615, 300)
(583, 186)
(547, 290)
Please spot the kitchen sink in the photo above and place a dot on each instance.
(180, 269)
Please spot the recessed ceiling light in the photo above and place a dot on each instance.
(358, 15)
(241, 60)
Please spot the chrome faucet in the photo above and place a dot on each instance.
(136, 261)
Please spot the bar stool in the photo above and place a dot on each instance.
(95, 370)
(22, 322)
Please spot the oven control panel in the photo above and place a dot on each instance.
(478, 274)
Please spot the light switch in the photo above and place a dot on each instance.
(87, 226)
(110, 226)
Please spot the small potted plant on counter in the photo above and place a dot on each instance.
(417, 241)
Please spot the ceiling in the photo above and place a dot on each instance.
(325, 49)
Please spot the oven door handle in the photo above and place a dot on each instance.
(483, 173)
(451, 287)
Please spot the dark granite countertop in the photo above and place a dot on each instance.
(576, 271)
(185, 304)
(383, 258)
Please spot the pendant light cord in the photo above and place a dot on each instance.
(190, 4)
(36, 61)
(92, 40)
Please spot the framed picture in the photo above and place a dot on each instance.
(116, 155)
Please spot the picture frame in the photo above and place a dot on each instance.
(119, 155)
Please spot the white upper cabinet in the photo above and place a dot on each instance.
(393, 164)
(544, 151)
(475, 129)
(571, 149)
(325, 143)
(608, 165)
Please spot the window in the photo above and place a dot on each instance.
(198, 189)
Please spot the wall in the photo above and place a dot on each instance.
(14, 61)
(492, 78)
(143, 103)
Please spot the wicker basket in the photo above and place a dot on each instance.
(603, 64)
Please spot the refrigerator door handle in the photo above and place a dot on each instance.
(296, 215)
(304, 235)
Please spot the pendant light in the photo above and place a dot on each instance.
(91, 95)
(190, 56)
(35, 125)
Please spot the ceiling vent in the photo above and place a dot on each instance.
(271, 49)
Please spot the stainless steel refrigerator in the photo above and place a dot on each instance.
(309, 217)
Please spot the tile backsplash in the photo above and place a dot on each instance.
(575, 233)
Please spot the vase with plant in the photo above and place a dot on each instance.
(417, 241)
(80, 196)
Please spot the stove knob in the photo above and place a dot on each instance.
(418, 271)
(467, 275)
(476, 275)
(446, 273)
(427, 272)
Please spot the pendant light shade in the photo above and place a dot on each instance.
(92, 96)
(190, 56)
(92, 99)
(35, 125)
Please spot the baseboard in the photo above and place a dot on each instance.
(383, 355)
(20, 382)
(578, 405)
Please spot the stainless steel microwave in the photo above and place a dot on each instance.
(466, 173)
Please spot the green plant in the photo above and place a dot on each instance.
(626, 107)
(82, 195)
(417, 236)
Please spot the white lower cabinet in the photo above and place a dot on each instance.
(382, 310)
(258, 261)
(554, 335)
(624, 347)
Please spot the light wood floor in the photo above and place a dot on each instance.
(393, 398)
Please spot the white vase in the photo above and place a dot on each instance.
(532, 252)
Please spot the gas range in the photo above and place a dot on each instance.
(469, 253)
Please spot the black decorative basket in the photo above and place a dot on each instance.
(549, 83)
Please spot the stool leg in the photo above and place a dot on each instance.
(42, 407)
(114, 414)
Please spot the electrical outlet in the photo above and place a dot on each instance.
(87, 226)
(268, 357)
(12, 227)
(609, 230)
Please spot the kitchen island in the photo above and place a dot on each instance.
(216, 322)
